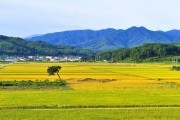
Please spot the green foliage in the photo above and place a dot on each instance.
(18, 46)
(32, 84)
(151, 51)
(176, 44)
(177, 68)
(54, 69)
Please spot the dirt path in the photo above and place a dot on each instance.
(7, 65)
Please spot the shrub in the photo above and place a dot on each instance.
(37, 83)
(176, 68)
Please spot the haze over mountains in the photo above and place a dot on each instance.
(107, 39)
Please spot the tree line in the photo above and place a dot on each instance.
(151, 51)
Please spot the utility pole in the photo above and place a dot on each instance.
(175, 61)
(112, 59)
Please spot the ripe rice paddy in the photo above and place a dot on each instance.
(94, 85)
(99, 76)
(90, 70)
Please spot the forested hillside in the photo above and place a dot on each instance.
(151, 51)
(18, 46)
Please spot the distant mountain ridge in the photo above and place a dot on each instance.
(31, 36)
(174, 32)
(110, 38)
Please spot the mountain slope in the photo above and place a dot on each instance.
(31, 36)
(107, 38)
(146, 51)
(18, 46)
(174, 32)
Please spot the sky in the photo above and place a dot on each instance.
(21, 18)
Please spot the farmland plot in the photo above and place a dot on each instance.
(148, 88)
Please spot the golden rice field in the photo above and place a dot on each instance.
(153, 87)
(108, 76)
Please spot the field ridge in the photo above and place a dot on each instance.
(90, 107)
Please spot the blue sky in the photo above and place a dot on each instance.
(26, 17)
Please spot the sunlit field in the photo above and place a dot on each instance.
(86, 98)
(153, 88)
(99, 76)
(2, 63)
(92, 114)
(90, 70)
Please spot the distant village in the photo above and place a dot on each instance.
(6, 58)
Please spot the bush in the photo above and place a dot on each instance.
(60, 83)
(37, 83)
(176, 68)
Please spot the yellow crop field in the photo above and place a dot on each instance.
(98, 76)
(114, 90)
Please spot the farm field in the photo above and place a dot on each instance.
(92, 70)
(93, 99)
(147, 87)
(92, 114)
(99, 76)
(3, 63)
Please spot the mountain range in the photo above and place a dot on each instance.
(14, 46)
(108, 39)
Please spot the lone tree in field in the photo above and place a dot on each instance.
(54, 69)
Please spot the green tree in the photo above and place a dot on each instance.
(54, 69)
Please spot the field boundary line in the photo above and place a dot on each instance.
(93, 108)
(89, 107)
(121, 73)
(7, 65)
